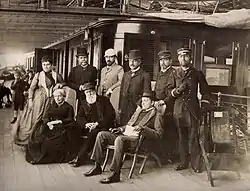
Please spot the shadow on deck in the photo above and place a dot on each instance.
(18, 175)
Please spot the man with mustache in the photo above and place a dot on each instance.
(111, 75)
(81, 74)
(183, 88)
(134, 83)
(95, 114)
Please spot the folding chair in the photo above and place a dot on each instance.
(136, 153)
(220, 124)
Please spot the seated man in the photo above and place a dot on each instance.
(146, 120)
(95, 114)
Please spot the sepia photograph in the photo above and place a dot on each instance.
(124, 95)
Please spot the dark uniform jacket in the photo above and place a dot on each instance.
(132, 87)
(192, 77)
(103, 112)
(161, 88)
(79, 76)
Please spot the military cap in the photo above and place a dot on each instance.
(81, 51)
(88, 86)
(164, 54)
(110, 52)
(134, 54)
(183, 51)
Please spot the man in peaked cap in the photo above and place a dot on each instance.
(145, 120)
(111, 75)
(161, 92)
(95, 114)
(81, 74)
(134, 83)
(183, 87)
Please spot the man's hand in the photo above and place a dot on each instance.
(116, 130)
(182, 88)
(109, 92)
(138, 128)
(91, 126)
(80, 87)
(50, 125)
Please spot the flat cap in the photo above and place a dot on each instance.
(183, 51)
(88, 86)
(164, 54)
(110, 52)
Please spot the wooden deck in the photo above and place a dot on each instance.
(18, 175)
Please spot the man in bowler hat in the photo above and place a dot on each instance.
(161, 92)
(183, 86)
(134, 83)
(145, 121)
(81, 74)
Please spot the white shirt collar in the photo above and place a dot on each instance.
(165, 69)
(133, 71)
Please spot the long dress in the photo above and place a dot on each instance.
(58, 144)
(40, 92)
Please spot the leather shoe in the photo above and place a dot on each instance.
(94, 171)
(14, 120)
(181, 167)
(76, 162)
(111, 179)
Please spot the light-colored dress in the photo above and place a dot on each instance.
(40, 91)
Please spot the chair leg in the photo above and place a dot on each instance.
(209, 174)
(157, 159)
(105, 160)
(124, 158)
(143, 164)
(133, 166)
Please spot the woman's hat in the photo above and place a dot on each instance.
(134, 54)
(88, 86)
(81, 52)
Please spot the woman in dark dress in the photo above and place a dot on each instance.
(55, 137)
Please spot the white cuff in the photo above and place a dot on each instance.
(205, 101)
(172, 92)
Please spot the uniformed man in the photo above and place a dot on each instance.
(81, 74)
(111, 75)
(183, 86)
(161, 92)
(134, 83)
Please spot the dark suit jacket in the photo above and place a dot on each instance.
(192, 78)
(19, 87)
(105, 113)
(132, 89)
(79, 76)
(161, 88)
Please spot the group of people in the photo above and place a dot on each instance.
(51, 132)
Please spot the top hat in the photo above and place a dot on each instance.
(81, 52)
(110, 52)
(183, 51)
(134, 54)
(150, 95)
(88, 86)
(164, 54)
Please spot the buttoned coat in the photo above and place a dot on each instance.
(192, 77)
(132, 88)
(161, 88)
(111, 78)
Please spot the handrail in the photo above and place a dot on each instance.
(230, 95)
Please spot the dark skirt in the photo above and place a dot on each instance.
(53, 146)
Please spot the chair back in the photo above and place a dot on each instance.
(70, 97)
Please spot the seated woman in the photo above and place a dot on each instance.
(55, 137)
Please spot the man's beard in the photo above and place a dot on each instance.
(91, 99)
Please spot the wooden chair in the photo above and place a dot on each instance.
(138, 152)
(219, 125)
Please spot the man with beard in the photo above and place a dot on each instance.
(95, 114)
(111, 75)
(161, 91)
(81, 74)
(134, 83)
(183, 86)
(145, 121)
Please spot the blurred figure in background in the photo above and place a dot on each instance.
(19, 86)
